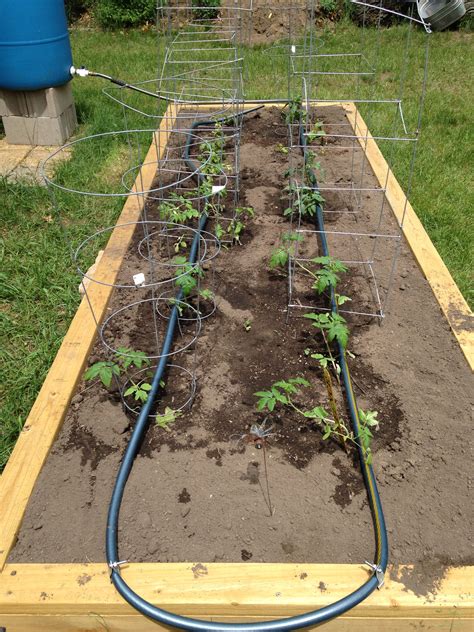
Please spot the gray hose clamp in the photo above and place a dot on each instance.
(379, 573)
(115, 566)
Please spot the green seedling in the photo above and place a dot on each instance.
(124, 358)
(238, 223)
(367, 420)
(332, 326)
(337, 430)
(180, 244)
(206, 294)
(186, 274)
(324, 361)
(282, 149)
(104, 371)
(312, 162)
(178, 210)
(341, 299)
(212, 152)
(211, 157)
(129, 357)
(219, 231)
(306, 201)
(326, 276)
(139, 391)
(333, 429)
(167, 418)
(247, 324)
(280, 255)
(294, 113)
(316, 132)
(281, 392)
(178, 304)
(205, 188)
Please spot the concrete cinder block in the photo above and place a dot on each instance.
(12, 103)
(50, 102)
(43, 130)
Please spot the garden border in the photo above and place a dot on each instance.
(62, 597)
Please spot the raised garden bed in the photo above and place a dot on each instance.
(206, 480)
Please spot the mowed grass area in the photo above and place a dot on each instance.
(38, 286)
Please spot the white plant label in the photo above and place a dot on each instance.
(139, 279)
(217, 188)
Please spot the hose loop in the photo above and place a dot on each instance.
(298, 622)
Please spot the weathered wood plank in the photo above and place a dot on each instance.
(224, 590)
(95, 622)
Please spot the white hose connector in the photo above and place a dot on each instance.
(80, 72)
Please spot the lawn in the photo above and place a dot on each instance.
(38, 287)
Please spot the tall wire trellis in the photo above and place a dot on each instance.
(349, 101)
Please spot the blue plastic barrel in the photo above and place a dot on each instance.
(35, 51)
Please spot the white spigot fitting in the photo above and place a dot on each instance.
(80, 72)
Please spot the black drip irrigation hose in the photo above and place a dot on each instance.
(292, 623)
(381, 552)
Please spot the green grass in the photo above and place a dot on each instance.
(38, 286)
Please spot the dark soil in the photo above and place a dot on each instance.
(199, 493)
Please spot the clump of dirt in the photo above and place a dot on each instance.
(426, 577)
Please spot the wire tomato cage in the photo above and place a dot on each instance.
(182, 127)
(346, 103)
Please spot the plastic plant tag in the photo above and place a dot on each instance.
(139, 279)
(217, 188)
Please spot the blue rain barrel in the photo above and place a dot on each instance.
(35, 51)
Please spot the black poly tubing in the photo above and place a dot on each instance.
(184, 623)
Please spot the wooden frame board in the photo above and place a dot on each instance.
(79, 597)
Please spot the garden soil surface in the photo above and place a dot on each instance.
(198, 493)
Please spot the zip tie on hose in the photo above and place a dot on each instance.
(115, 566)
(379, 573)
